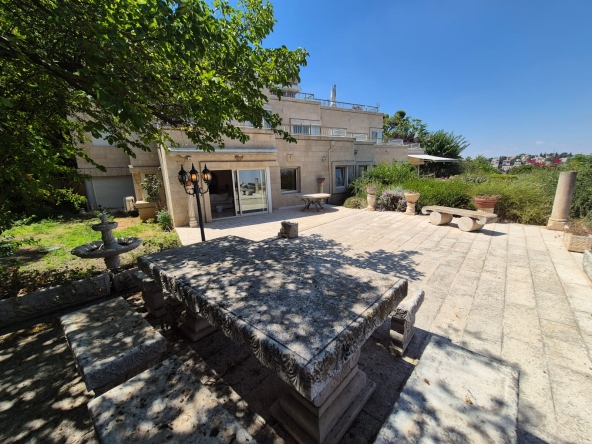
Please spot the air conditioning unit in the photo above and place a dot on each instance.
(129, 204)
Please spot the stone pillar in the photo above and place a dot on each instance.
(371, 190)
(191, 208)
(562, 204)
(153, 297)
(402, 322)
(321, 182)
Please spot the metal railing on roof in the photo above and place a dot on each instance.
(330, 103)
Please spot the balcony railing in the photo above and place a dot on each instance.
(330, 103)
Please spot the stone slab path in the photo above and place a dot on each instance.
(509, 291)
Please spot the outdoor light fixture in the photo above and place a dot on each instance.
(190, 182)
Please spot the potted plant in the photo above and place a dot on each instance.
(411, 197)
(486, 203)
(577, 237)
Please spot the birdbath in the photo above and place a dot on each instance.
(110, 247)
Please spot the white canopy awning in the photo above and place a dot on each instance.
(432, 158)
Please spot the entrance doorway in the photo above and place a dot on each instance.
(239, 193)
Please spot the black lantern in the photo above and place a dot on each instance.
(190, 181)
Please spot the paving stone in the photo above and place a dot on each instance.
(562, 332)
(568, 354)
(522, 323)
(571, 393)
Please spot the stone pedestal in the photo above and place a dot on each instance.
(402, 322)
(153, 298)
(469, 224)
(289, 230)
(192, 211)
(194, 326)
(321, 182)
(411, 199)
(562, 204)
(371, 198)
(327, 417)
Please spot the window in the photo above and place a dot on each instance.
(101, 141)
(360, 136)
(362, 169)
(289, 180)
(310, 130)
(343, 175)
(340, 132)
(377, 136)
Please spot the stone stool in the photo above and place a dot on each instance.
(402, 321)
(289, 230)
(153, 297)
(111, 343)
(166, 403)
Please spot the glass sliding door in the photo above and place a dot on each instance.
(250, 191)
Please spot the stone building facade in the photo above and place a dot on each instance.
(336, 142)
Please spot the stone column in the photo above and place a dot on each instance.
(191, 208)
(194, 326)
(371, 190)
(562, 204)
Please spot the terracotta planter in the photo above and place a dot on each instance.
(411, 199)
(577, 243)
(486, 203)
(147, 210)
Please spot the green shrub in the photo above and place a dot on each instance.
(383, 175)
(355, 202)
(165, 220)
(439, 192)
(522, 201)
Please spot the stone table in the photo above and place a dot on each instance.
(303, 314)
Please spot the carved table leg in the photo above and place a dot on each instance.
(327, 417)
(153, 297)
(402, 322)
(440, 218)
(194, 326)
(468, 224)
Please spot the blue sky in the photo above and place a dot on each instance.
(510, 76)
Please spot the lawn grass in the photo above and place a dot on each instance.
(39, 265)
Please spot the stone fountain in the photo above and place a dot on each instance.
(110, 247)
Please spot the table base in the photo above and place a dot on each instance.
(327, 423)
(194, 326)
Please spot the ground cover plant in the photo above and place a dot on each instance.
(41, 265)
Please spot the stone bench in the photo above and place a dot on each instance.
(164, 404)
(469, 220)
(455, 395)
(111, 343)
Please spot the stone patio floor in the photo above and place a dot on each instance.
(510, 291)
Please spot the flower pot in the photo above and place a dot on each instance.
(411, 199)
(486, 203)
(577, 243)
(371, 197)
(147, 210)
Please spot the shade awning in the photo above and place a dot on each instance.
(432, 158)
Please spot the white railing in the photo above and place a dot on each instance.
(329, 103)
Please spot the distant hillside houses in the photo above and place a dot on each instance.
(506, 163)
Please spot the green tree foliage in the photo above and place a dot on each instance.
(127, 70)
(401, 126)
(477, 166)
